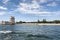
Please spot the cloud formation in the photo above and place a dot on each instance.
(33, 8)
(43, 1)
(5, 1)
(3, 8)
(53, 4)
(2, 13)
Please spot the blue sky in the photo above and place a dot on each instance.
(30, 10)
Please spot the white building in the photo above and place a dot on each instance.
(12, 21)
(5, 22)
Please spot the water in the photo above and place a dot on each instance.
(30, 32)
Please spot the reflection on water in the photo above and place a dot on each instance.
(30, 32)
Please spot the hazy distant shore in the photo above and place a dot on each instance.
(40, 24)
(49, 24)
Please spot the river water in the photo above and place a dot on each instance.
(30, 32)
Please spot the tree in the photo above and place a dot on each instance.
(44, 21)
(38, 21)
(56, 21)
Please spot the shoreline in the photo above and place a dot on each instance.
(40, 24)
(35, 24)
(49, 24)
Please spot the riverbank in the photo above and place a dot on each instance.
(49, 24)
(40, 24)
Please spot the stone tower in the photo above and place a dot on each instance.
(12, 20)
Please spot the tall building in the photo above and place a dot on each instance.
(12, 20)
(5, 22)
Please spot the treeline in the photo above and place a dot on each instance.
(20, 22)
(43, 21)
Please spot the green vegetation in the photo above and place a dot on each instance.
(43, 21)
(20, 22)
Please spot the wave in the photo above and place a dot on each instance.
(41, 36)
(32, 35)
(5, 32)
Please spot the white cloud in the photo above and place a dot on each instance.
(46, 1)
(3, 8)
(34, 5)
(53, 4)
(33, 8)
(5, 1)
(57, 13)
(43, 1)
(26, 11)
(2, 13)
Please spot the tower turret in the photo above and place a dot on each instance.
(12, 20)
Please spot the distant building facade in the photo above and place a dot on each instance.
(5, 22)
(12, 21)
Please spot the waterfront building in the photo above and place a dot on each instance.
(5, 22)
(12, 20)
